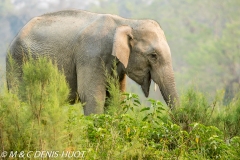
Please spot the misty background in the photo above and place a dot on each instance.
(204, 36)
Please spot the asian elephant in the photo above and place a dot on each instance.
(82, 41)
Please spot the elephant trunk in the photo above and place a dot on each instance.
(165, 81)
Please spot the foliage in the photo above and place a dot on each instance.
(113, 91)
(34, 110)
(38, 118)
(229, 119)
(153, 137)
(194, 107)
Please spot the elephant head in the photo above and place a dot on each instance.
(144, 52)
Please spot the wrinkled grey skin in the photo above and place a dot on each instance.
(81, 42)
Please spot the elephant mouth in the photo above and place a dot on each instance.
(146, 84)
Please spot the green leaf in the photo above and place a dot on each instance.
(134, 95)
(145, 118)
(137, 101)
(159, 117)
(145, 109)
(159, 103)
(151, 100)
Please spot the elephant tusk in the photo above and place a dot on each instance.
(155, 87)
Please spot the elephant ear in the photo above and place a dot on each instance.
(122, 44)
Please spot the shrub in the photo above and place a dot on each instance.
(35, 116)
(193, 107)
(229, 118)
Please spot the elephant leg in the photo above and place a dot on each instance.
(91, 91)
(94, 99)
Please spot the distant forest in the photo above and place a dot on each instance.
(204, 36)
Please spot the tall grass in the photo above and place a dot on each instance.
(36, 116)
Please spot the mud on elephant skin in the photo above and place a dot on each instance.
(80, 41)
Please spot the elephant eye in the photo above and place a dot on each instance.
(153, 56)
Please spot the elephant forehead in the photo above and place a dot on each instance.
(142, 46)
(147, 44)
(149, 30)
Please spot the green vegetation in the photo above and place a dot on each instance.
(32, 109)
(37, 117)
